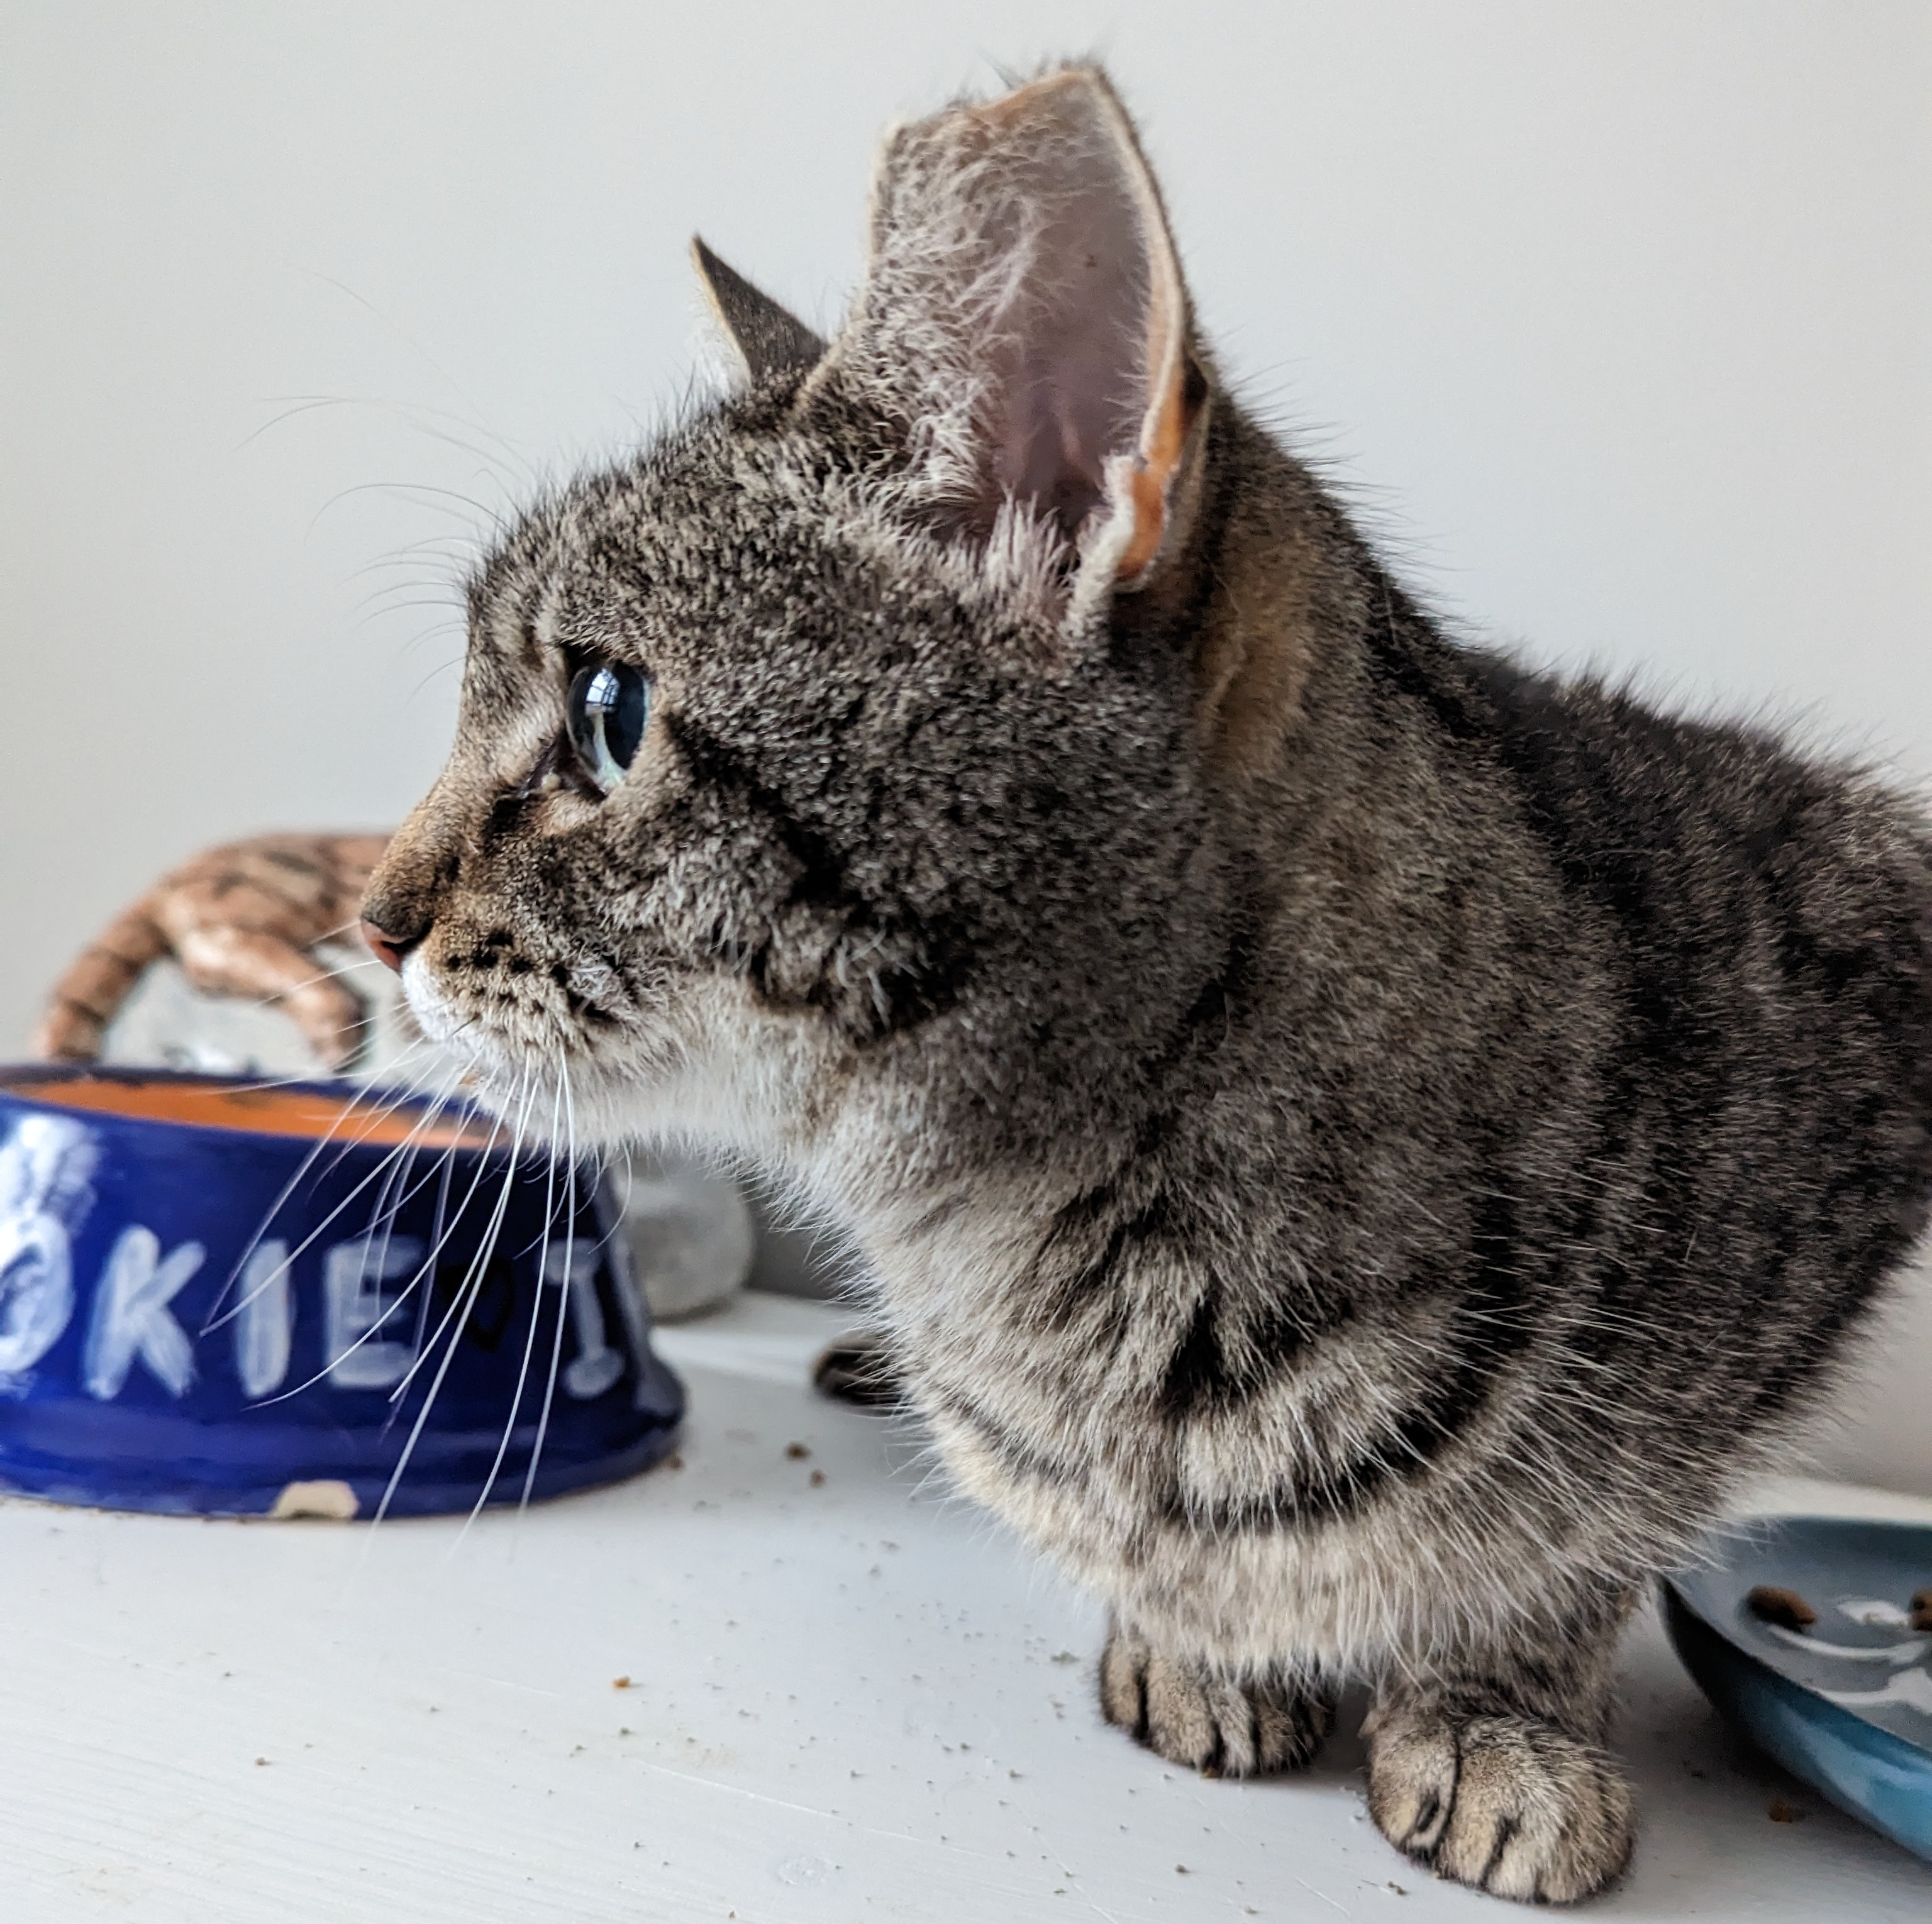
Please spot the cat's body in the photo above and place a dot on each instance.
(1360, 1146)
(1444, 1271)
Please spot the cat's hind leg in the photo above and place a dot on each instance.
(1223, 1725)
(1494, 1774)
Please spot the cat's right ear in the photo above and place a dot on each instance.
(769, 340)
(1025, 324)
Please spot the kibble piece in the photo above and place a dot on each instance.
(1771, 1605)
(1921, 1608)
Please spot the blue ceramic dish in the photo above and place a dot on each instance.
(209, 1309)
(1846, 1703)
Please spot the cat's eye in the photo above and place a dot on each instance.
(609, 706)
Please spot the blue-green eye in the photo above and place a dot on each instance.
(609, 706)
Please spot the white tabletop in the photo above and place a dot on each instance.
(848, 1697)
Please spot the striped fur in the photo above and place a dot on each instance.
(241, 919)
(1360, 1147)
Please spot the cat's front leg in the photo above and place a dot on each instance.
(1496, 1775)
(1220, 1724)
(859, 1369)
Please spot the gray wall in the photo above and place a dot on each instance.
(1612, 317)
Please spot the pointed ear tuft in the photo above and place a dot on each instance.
(770, 340)
(1024, 319)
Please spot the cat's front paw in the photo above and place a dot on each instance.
(1512, 1805)
(1219, 1725)
(858, 1369)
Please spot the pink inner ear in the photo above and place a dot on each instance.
(1024, 316)
(1070, 376)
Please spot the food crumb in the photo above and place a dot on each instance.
(1181, 1869)
(817, 1477)
(1784, 1811)
(1921, 1608)
(1771, 1604)
(261, 1760)
(675, 1460)
(797, 1452)
(620, 1683)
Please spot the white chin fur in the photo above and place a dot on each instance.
(612, 1103)
(452, 1039)
(636, 1089)
(433, 1014)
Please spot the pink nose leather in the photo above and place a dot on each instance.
(388, 950)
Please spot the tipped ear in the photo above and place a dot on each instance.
(1024, 316)
(770, 340)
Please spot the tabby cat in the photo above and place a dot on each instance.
(1361, 1146)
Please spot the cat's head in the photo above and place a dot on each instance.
(843, 747)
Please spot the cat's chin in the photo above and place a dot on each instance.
(717, 1080)
(519, 1085)
(576, 1099)
(498, 1067)
(441, 1026)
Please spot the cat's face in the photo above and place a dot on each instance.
(912, 817)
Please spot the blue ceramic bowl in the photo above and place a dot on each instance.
(1845, 1704)
(213, 1308)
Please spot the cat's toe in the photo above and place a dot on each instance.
(1219, 1725)
(1511, 1804)
(856, 1370)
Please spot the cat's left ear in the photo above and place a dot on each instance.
(770, 339)
(1025, 319)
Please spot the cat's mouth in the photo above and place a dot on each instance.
(499, 1033)
(434, 1014)
(549, 1084)
(576, 1023)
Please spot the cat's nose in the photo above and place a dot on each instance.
(389, 949)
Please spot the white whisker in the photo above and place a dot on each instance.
(431, 1113)
(530, 1336)
(403, 1295)
(466, 1296)
(380, 1114)
(563, 1304)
